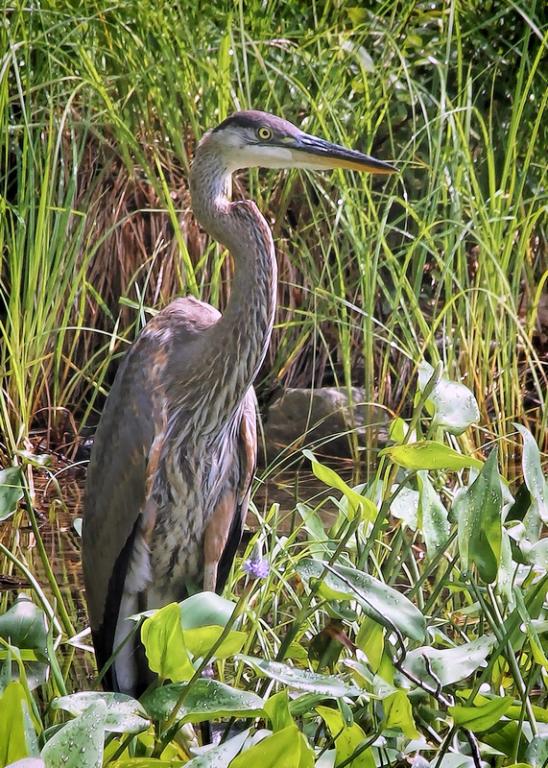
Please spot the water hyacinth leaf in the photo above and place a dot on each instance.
(24, 625)
(123, 713)
(432, 519)
(11, 490)
(370, 639)
(449, 665)
(205, 609)
(206, 700)
(79, 743)
(277, 711)
(481, 717)
(536, 484)
(333, 480)
(398, 714)
(301, 679)
(429, 454)
(453, 405)
(405, 506)
(347, 738)
(379, 601)
(163, 638)
(287, 748)
(537, 752)
(17, 735)
(478, 511)
(201, 639)
(221, 755)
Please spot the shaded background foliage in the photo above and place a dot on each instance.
(101, 107)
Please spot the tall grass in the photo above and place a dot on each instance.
(101, 107)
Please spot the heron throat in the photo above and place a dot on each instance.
(234, 347)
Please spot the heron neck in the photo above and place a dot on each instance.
(236, 345)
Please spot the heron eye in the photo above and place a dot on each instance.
(264, 133)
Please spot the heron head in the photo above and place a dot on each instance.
(257, 139)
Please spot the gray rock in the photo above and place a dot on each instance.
(322, 418)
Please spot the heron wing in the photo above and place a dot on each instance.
(127, 444)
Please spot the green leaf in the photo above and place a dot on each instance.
(536, 484)
(205, 609)
(123, 713)
(203, 619)
(357, 502)
(398, 714)
(405, 506)
(301, 679)
(450, 664)
(429, 454)
(17, 735)
(79, 743)
(24, 626)
(163, 638)
(432, 517)
(221, 755)
(478, 511)
(480, 717)
(201, 639)
(370, 639)
(11, 490)
(537, 752)
(454, 406)
(206, 700)
(277, 711)
(347, 738)
(285, 749)
(379, 601)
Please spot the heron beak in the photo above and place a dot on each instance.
(315, 154)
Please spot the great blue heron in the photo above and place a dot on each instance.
(174, 454)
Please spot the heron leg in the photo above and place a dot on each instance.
(216, 535)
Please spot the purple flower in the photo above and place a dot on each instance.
(256, 567)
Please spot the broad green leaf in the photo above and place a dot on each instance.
(370, 639)
(17, 735)
(221, 755)
(285, 749)
(163, 638)
(206, 700)
(405, 506)
(79, 743)
(398, 714)
(450, 664)
(277, 711)
(333, 480)
(347, 738)
(147, 762)
(205, 609)
(478, 511)
(480, 717)
(201, 639)
(301, 679)
(379, 601)
(538, 554)
(454, 406)
(11, 490)
(536, 484)
(123, 713)
(432, 518)
(537, 752)
(429, 454)
(24, 626)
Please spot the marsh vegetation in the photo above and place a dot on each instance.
(398, 614)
